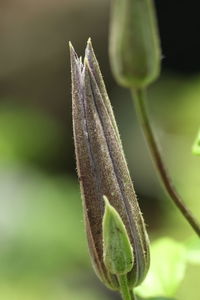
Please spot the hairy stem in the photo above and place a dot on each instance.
(133, 295)
(139, 97)
(126, 293)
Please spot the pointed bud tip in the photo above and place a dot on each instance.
(70, 45)
(72, 51)
(89, 41)
(71, 48)
(106, 200)
(89, 52)
(89, 46)
(108, 206)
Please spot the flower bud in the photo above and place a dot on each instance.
(134, 43)
(102, 169)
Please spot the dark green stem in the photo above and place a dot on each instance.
(139, 97)
(126, 293)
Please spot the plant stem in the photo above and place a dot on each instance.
(133, 295)
(139, 100)
(124, 289)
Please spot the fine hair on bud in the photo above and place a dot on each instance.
(102, 169)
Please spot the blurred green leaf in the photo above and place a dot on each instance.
(193, 250)
(51, 290)
(160, 298)
(155, 298)
(28, 135)
(41, 224)
(167, 269)
(196, 146)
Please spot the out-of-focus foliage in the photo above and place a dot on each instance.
(46, 289)
(196, 146)
(28, 135)
(169, 259)
(37, 216)
(193, 251)
(160, 298)
(168, 262)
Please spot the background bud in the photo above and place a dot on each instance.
(134, 43)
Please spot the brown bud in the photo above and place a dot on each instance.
(102, 168)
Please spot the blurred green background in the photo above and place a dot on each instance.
(43, 251)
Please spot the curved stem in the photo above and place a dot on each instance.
(124, 289)
(139, 100)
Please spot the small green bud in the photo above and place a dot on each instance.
(196, 146)
(117, 250)
(134, 43)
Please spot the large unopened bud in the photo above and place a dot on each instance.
(134, 43)
(102, 170)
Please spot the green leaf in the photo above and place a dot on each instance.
(196, 146)
(155, 298)
(117, 250)
(160, 298)
(167, 269)
(193, 250)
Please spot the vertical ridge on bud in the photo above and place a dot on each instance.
(94, 66)
(102, 168)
